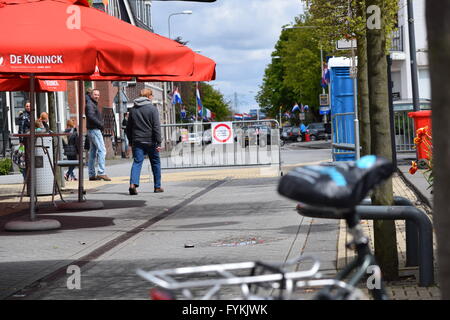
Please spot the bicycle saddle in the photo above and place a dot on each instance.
(337, 185)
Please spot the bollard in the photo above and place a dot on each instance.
(420, 230)
(412, 234)
(425, 233)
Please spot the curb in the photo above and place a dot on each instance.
(416, 190)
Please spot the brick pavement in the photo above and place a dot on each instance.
(406, 288)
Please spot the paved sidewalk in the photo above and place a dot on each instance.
(228, 214)
(257, 224)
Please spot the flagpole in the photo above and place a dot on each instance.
(196, 102)
(323, 76)
(280, 117)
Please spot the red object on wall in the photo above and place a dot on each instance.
(421, 119)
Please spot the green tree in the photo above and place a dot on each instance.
(294, 73)
(347, 19)
(273, 94)
(341, 19)
(384, 231)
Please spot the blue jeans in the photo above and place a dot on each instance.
(97, 151)
(71, 168)
(139, 152)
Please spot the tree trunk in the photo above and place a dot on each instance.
(363, 87)
(363, 96)
(384, 231)
(438, 30)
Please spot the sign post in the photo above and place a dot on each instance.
(323, 99)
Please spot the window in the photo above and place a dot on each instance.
(116, 9)
(144, 16)
(4, 123)
(139, 9)
(148, 14)
(18, 102)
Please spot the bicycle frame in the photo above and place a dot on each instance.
(364, 259)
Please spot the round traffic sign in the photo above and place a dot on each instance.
(222, 133)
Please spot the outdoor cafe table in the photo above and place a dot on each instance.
(75, 205)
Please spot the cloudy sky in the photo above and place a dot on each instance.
(239, 35)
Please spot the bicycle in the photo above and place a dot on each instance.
(327, 191)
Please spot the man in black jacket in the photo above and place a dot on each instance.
(144, 136)
(24, 127)
(94, 125)
(24, 120)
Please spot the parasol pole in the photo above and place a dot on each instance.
(34, 224)
(32, 171)
(81, 204)
(81, 102)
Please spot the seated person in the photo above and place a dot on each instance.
(39, 126)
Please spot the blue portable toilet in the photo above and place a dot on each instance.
(342, 108)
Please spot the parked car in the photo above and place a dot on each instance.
(291, 134)
(316, 131)
(195, 138)
(207, 138)
(257, 135)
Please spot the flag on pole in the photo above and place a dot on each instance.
(199, 103)
(325, 77)
(238, 116)
(183, 113)
(176, 96)
(208, 114)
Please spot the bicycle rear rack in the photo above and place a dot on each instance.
(249, 276)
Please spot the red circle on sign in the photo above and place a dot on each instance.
(222, 125)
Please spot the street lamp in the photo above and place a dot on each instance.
(166, 117)
(173, 14)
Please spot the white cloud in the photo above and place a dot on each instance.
(238, 34)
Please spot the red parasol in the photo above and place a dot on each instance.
(68, 37)
(204, 70)
(40, 85)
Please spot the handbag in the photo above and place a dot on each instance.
(70, 150)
